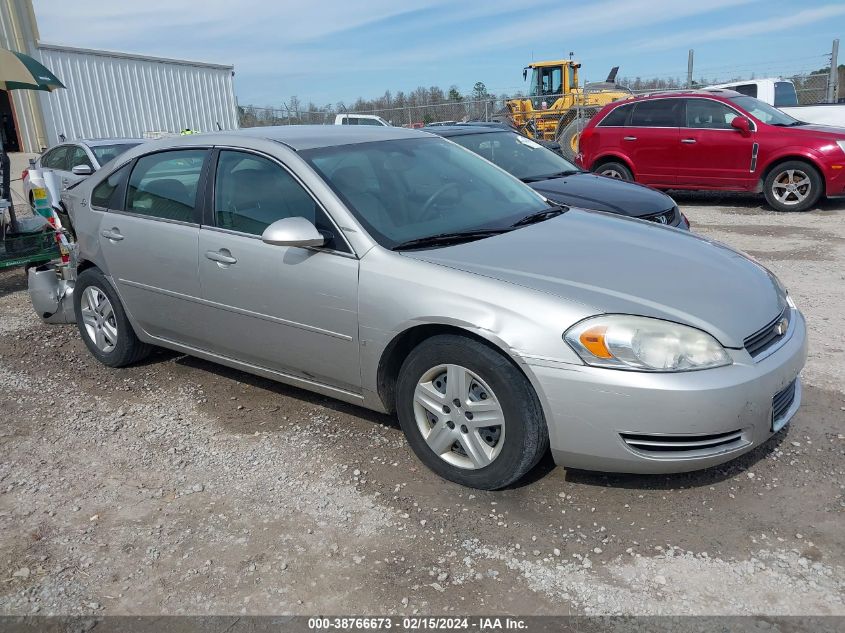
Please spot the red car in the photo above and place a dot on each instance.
(716, 139)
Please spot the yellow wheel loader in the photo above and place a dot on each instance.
(557, 107)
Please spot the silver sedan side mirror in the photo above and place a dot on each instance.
(82, 170)
(292, 232)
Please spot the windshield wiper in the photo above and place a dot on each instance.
(559, 174)
(540, 216)
(793, 124)
(446, 239)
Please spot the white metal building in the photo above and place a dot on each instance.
(109, 94)
(115, 94)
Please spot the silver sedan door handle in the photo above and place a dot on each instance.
(630, 138)
(113, 235)
(223, 256)
(688, 140)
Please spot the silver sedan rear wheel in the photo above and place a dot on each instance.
(459, 416)
(99, 319)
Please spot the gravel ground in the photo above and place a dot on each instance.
(177, 486)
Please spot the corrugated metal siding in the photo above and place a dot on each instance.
(18, 32)
(119, 95)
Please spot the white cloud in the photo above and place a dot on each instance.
(565, 22)
(241, 23)
(747, 29)
(296, 46)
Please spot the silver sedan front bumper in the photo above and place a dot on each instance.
(634, 422)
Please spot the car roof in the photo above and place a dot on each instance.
(464, 130)
(96, 142)
(301, 137)
(704, 92)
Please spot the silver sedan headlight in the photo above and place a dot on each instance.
(637, 343)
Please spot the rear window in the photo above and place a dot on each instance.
(618, 117)
(164, 185)
(657, 113)
(749, 90)
(56, 158)
(785, 94)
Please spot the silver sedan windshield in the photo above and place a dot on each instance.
(408, 189)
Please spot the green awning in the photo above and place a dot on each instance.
(22, 72)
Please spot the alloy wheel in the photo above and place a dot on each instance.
(99, 319)
(612, 173)
(459, 416)
(791, 187)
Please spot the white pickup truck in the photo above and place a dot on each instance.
(360, 119)
(781, 94)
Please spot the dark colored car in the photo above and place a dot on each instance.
(498, 125)
(716, 140)
(561, 181)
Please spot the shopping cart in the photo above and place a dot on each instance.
(26, 242)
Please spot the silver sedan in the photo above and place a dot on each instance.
(398, 271)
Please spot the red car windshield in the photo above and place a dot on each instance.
(762, 111)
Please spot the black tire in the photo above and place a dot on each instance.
(570, 128)
(614, 169)
(803, 197)
(526, 436)
(127, 349)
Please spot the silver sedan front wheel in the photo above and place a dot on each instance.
(459, 416)
(99, 319)
(469, 412)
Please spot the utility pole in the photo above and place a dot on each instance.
(834, 73)
(689, 68)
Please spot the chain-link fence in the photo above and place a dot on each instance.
(252, 116)
(415, 115)
(809, 88)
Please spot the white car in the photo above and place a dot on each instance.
(360, 119)
(781, 93)
(74, 161)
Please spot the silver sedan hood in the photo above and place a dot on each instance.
(619, 265)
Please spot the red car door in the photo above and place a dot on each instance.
(651, 141)
(712, 153)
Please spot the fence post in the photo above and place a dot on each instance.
(834, 73)
(689, 68)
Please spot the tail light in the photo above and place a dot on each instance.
(24, 174)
